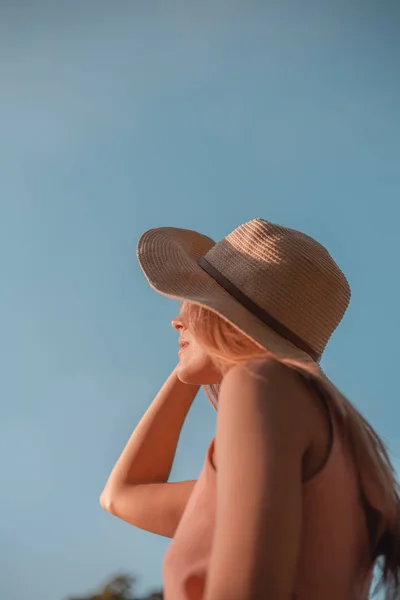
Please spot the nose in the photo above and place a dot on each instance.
(177, 324)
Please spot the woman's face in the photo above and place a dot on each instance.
(195, 365)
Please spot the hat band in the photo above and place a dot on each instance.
(256, 310)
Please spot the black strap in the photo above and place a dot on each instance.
(256, 310)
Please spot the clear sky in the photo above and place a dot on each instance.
(121, 116)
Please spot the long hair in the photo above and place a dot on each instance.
(228, 346)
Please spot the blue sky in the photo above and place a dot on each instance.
(117, 117)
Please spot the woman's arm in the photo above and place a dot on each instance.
(147, 460)
(154, 507)
(261, 439)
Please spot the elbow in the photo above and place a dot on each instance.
(107, 501)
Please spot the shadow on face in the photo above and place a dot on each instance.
(195, 367)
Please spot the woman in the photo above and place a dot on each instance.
(297, 497)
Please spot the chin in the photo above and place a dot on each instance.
(189, 376)
(198, 376)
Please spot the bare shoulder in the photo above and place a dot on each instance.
(270, 396)
(268, 371)
(267, 381)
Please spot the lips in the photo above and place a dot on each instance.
(183, 344)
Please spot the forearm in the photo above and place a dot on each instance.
(150, 451)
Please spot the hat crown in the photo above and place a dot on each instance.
(288, 274)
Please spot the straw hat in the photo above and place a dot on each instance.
(280, 287)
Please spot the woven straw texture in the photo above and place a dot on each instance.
(287, 273)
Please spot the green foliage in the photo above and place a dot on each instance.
(119, 587)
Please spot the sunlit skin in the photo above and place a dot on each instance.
(256, 417)
(248, 433)
(195, 365)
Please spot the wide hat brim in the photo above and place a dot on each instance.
(169, 256)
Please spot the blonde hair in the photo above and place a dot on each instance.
(228, 346)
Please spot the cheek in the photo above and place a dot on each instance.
(196, 367)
